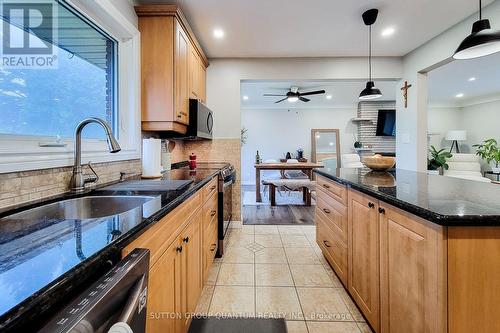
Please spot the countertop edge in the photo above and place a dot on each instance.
(94, 266)
(426, 214)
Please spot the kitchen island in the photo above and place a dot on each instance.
(417, 252)
(45, 263)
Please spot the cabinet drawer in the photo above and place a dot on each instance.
(209, 250)
(336, 191)
(210, 212)
(334, 250)
(334, 213)
(209, 189)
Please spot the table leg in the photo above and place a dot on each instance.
(258, 197)
(304, 194)
(308, 198)
(272, 194)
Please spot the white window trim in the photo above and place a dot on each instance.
(22, 153)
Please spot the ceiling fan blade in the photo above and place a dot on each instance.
(281, 100)
(272, 95)
(316, 92)
(303, 99)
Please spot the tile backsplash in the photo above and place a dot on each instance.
(30, 186)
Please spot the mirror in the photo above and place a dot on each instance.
(325, 147)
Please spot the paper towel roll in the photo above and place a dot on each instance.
(151, 158)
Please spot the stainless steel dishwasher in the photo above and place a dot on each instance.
(115, 303)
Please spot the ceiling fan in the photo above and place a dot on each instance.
(293, 95)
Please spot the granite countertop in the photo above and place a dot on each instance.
(443, 200)
(46, 263)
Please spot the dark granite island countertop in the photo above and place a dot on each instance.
(46, 263)
(443, 200)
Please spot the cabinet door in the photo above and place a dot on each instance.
(412, 288)
(164, 292)
(181, 75)
(202, 77)
(194, 73)
(191, 265)
(363, 255)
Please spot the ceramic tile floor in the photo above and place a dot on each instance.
(279, 272)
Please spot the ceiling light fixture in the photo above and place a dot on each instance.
(218, 33)
(459, 95)
(388, 32)
(481, 42)
(292, 99)
(370, 92)
(245, 98)
(328, 96)
(472, 79)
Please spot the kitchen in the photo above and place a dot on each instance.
(149, 237)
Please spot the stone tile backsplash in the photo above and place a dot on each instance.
(30, 186)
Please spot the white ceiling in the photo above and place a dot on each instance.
(344, 93)
(297, 28)
(453, 78)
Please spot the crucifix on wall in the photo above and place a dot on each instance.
(405, 92)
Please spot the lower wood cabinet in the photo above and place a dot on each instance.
(363, 253)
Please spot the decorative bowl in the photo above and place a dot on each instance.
(379, 179)
(379, 163)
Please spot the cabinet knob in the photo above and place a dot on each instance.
(326, 243)
(185, 239)
(213, 187)
(326, 210)
(371, 205)
(326, 186)
(212, 248)
(178, 249)
(381, 210)
(213, 213)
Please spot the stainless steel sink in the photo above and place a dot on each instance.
(84, 208)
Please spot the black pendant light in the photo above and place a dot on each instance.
(481, 42)
(370, 92)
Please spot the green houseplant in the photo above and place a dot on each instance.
(437, 160)
(490, 152)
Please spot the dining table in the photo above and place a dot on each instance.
(306, 167)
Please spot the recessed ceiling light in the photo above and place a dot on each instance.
(218, 33)
(388, 32)
(245, 98)
(472, 79)
(328, 96)
(459, 95)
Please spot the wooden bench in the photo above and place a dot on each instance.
(306, 191)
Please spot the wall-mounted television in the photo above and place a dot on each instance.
(386, 123)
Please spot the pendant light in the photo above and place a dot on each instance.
(481, 42)
(370, 92)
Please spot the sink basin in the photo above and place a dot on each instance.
(84, 208)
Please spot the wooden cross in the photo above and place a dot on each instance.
(405, 92)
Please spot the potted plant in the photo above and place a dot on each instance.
(490, 152)
(437, 162)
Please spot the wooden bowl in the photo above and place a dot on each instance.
(379, 162)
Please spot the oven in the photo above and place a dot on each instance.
(227, 177)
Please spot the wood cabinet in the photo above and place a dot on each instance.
(173, 67)
(412, 273)
(178, 262)
(363, 254)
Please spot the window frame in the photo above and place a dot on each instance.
(23, 152)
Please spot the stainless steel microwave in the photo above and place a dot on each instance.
(201, 121)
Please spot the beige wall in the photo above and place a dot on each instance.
(18, 188)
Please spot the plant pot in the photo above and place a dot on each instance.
(433, 172)
(495, 169)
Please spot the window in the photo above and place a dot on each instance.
(51, 101)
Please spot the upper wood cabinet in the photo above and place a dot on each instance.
(173, 68)
(363, 254)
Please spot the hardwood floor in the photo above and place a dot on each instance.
(290, 209)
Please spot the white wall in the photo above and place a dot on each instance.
(441, 120)
(411, 136)
(224, 76)
(274, 132)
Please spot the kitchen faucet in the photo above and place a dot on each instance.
(79, 179)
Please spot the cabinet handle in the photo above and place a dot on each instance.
(381, 210)
(326, 186)
(185, 239)
(178, 249)
(371, 205)
(213, 187)
(213, 213)
(212, 248)
(326, 210)
(179, 116)
(326, 243)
